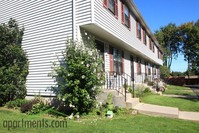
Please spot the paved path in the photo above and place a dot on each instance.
(182, 96)
(195, 88)
(194, 116)
(166, 111)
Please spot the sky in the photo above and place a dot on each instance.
(158, 13)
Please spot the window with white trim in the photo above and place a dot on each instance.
(149, 69)
(126, 16)
(112, 6)
(144, 37)
(139, 70)
(117, 58)
(138, 27)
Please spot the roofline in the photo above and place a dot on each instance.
(138, 16)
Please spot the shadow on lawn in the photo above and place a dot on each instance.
(188, 97)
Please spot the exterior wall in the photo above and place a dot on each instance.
(47, 24)
(105, 19)
(83, 9)
(127, 63)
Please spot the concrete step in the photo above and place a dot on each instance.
(128, 96)
(157, 110)
(194, 116)
(132, 102)
(119, 100)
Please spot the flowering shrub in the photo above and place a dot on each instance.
(79, 76)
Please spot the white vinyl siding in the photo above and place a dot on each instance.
(82, 15)
(106, 20)
(127, 63)
(47, 25)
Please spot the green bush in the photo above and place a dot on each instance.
(147, 90)
(28, 106)
(13, 63)
(34, 106)
(79, 77)
(16, 104)
(118, 111)
(38, 108)
(164, 72)
(150, 83)
(140, 90)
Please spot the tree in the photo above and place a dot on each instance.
(13, 63)
(168, 37)
(190, 48)
(79, 76)
(164, 72)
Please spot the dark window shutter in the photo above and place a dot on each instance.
(116, 8)
(105, 3)
(122, 11)
(111, 58)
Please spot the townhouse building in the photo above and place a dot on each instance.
(126, 43)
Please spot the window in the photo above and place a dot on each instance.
(117, 58)
(154, 70)
(144, 37)
(138, 28)
(112, 5)
(146, 68)
(161, 56)
(150, 45)
(153, 47)
(139, 66)
(126, 16)
(149, 69)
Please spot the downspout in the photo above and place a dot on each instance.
(73, 23)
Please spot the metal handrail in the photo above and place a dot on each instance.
(118, 81)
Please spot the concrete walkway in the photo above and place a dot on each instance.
(171, 112)
(181, 96)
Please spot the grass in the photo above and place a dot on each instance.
(181, 103)
(184, 104)
(179, 90)
(119, 124)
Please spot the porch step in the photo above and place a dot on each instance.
(119, 100)
(132, 102)
(157, 110)
(128, 96)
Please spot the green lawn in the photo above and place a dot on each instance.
(181, 103)
(120, 124)
(179, 90)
